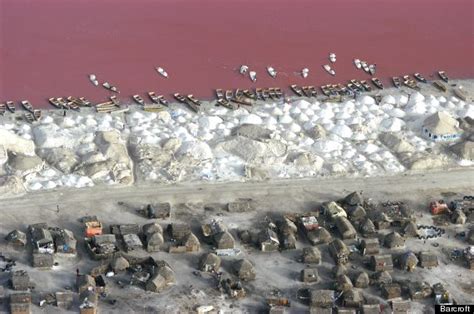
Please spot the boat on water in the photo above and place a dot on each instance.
(460, 93)
(271, 93)
(443, 76)
(328, 69)
(239, 93)
(253, 76)
(112, 88)
(55, 103)
(162, 100)
(353, 88)
(357, 63)
(93, 79)
(377, 82)
(272, 72)
(153, 97)
(229, 94)
(366, 85)
(265, 94)
(179, 97)
(278, 92)
(410, 83)
(365, 66)
(297, 90)
(397, 82)
(219, 93)
(332, 57)
(3, 108)
(249, 93)
(259, 92)
(305, 72)
(10, 106)
(27, 105)
(243, 69)
(162, 72)
(326, 90)
(73, 106)
(138, 99)
(357, 84)
(195, 101)
(420, 77)
(372, 69)
(439, 85)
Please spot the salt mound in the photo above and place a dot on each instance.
(197, 150)
(295, 111)
(415, 98)
(327, 146)
(395, 143)
(392, 125)
(369, 148)
(251, 119)
(397, 112)
(467, 112)
(14, 143)
(302, 104)
(389, 99)
(210, 122)
(342, 130)
(418, 108)
(402, 99)
(286, 119)
(366, 100)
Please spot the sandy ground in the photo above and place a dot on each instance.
(274, 270)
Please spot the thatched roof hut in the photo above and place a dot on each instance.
(370, 246)
(268, 240)
(322, 298)
(154, 241)
(353, 199)
(362, 280)
(339, 251)
(209, 262)
(343, 283)
(311, 255)
(394, 240)
(357, 213)
(382, 278)
(319, 236)
(20, 280)
(391, 291)
(191, 242)
(309, 275)
(119, 264)
(339, 270)
(345, 228)
(400, 306)
(244, 269)
(381, 262)
(371, 309)
(410, 229)
(84, 282)
(44, 261)
(418, 289)
(178, 231)
(408, 261)
(20, 302)
(352, 298)
(152, 228)
(16, 237)
(224, 240)
(288, 241)
(367, 228)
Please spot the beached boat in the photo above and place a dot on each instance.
(225, 103)
(312, 91)
(114, 100)
(73, 106)
(37, 114)
(377, 82)
(343, 90)
(259, 92)
(325, 89)
(29, 117)
(278, 92)
(249, 93)
(272, 72)
(229, 94)
(195, 101)
(297, 90)
(55, 103)
(219, 93)
(357, 63)
(162, 100)
(3, 108)
(10, 106)
(153, 97)
(162, 72)
(366, 85)
(179, 98)
(440, 86)
(460, 93)
(357, 84)
(239, 93)
(27, 105)
(253, 76)
(420, 77)
(85, 102)
(410, 83)
(265, 94)
(328, 69)
(271, 93)
(397, 82)
(353, 89)
(242, 101)
(443, 76)
(138, 99)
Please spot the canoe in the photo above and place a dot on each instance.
(297, 90)
(440, 86)
(27, 105)
(55, 103)
(377, 82)
(325, 89)
(225, 103)
(239, 93)
(357, 85)
(138, 99)
(357, 63)
(10, 106)
(278, 92)
(366, 85)
(179, 98)
(250, 94)
(3, 108)
(153, 97)
(162, 72)
(328, 69)
(30, 118)
(253, 76)
(195, 101)
(443, 76)
(162, 100)
(271, 93)
(420, 77)
(229, 94)
(332, 57)
(110, 87)
(397, 82)
(219, 93)
(272, 72)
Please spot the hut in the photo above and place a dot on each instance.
(464, 150)
(391, 291)
(191, 242)
(343, 283)
(160, 280)
(322, 298)
(288, 241)
(370, 246)
(345, 228)
(132, 242)
(42, 239)
(88, 300)
(178, 231)
(309, 275)
(418, 290)
(339, 270)
(17, 238)
(124, 229)
(352, 298)
(64, 299)
(209, 262)
(410, 229)
(244, 269)
(333, 210)
(381, 262)
(152, 228)
(357, 213)
(20, 303)
(311, 255)
(380, 220)
(394, 240)
(119, 264)
(85, 282)
(382, 278)
(400, 306)
(371, 309)
(428, 259)
(154, 241)
(319, 236)
(286, 226)
(361, 280)
(268, 240)
(367, 228)
(339, 251)
(44, 261)
(408, 261)
(441, 127)
(458, 217)
(65, 242)
(353, 199)
(224, 240)
(20, 280)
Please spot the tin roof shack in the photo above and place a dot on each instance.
(41, 238)
(381, 262)
(408, 261)
(367, 228)
(161, 279)
(16, 238)
(64, 241)
(102, 246)
(85, 282)
(20, 280)
(345, 228)
(428, 259)
(391, 291)
(394, 240)
(64, 299)
(268, 240)
(132, 242)
(400, 306)
(418, 290)
(209, 262)
(178, 231)
(43, 261)
(153, 234)
(371, 309)
(88, 300)
(124, 229)
(322, 298)
(370, 246)
(241, 206)
(244, 269)
(311, 255)
(319, 236)
(339, 251)
(361, 280)
(352, 298)
(333, 210)
(20, 303)
(309, 275)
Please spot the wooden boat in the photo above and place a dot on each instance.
(250, 94)
(64, 103)
(153, 97)
(328, 69)
(259, 93)
(162, 72)
(305, 72)
(74, 106)
(55, 103)
(85, 102)
(29, 117)
(279, 93)
(242, 101)
(162, 100)
(253, 76)
(10, 106)
(243, 69)
(229, 94)
(443, 76)
(439, 85)
(219, 93)
(357, 85)
(27, 105)
(366, 85)
(3, 108)
(460, 93)
(397, 81)
(377, 82)
(239, 93)
(271, 93)
(265, 94)
(312, 91)
(420, 77)
(138, 99)
(326, 91)
(357, 63)
(225, 103)
(365, 66)
(179, 98)
(411, 83)
(195, 101)
(306, 91)
(297, 90)
(332, 57)
(37, 114)
(353, 89)
(272, 72)
(343, 90)
(114, 100)
(372, 69)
